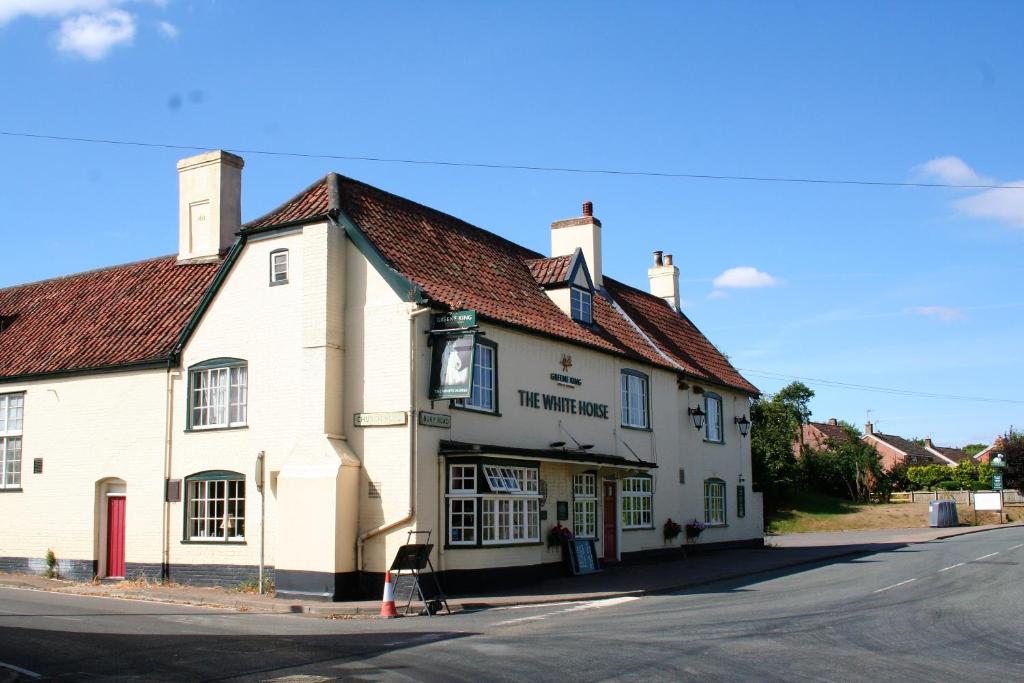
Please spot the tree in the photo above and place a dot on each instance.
(929, 476)
(972, 449)
(1013, 454)
(776, 422)
(847, 467)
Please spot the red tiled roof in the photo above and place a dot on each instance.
(831, 431)
(463, 266)
(550, 271)
(905, 445)
(954, 454)
(122, 315)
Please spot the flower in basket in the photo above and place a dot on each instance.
(694, 527)
(558, 534)
(671, 529)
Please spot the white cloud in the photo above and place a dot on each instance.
(744, 277)
(94, 35)
(12, 9)
(717, 294)
(944, 313)
(168, 29)
(1004, 205)
(952, 170)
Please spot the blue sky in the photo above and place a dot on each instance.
(906, 288)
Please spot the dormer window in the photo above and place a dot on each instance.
(581, 304)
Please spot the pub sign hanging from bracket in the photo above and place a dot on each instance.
(453, 340)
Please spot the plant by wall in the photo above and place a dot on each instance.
(51, 564)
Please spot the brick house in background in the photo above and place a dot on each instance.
(895, 450)
(817, 434)
(990, 452)
(946, 455)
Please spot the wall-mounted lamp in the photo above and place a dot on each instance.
(743, 423)
(698, 416)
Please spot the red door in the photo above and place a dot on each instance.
(115, 536)
(610, 516)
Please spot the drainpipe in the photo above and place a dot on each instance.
(165, 569)
(412, 447)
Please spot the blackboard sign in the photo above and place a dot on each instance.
(581, 556)
(412, 557)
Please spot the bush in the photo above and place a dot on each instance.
(51, 564)
(948, 486)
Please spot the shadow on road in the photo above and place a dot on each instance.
(200, 657)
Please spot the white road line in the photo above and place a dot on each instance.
(18, 669)
(954, 566)
(536, 605)
(895, 585)
(984, 557)
(1019, 545)
(520, 620)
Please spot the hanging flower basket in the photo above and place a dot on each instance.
(693, 529)
(671, 529)
(558, 534)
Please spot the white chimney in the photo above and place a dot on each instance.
(583, 232)
(664, 278)
(209, 204)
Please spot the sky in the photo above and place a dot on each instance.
(901, 288)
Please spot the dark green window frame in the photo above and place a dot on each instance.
(460, 403)
(287, 267)
(213, 364)
(708, 498)
(623, 375)
(206, 508)
(710, 396)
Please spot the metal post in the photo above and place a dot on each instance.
(263, 512)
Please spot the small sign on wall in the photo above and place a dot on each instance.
(379, 419)
(435, 420)
(562, 510)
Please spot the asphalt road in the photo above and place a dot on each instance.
(944, 611)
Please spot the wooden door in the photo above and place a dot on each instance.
(610, 528)
(115, 536)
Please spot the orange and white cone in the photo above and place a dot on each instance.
(387, 608)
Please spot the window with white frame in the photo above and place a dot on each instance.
(462, 505)
(584, 505)
(12, 415)
(581, 305)
(505, 510)
(637, 499)
(279, 267)
(634, 399)
(714, 502)
(218, 394)
(215, 507)
(713, 420)
(485, 379)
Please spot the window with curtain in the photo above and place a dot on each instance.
(218, 394)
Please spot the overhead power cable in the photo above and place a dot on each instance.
(522, 167)
(879, 390)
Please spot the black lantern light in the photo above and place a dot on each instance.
(698, 416)
(743, 423)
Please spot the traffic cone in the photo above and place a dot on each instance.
(387, 608)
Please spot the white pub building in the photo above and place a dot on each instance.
(299, 392)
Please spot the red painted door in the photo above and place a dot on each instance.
(115, 535)
(610, 516)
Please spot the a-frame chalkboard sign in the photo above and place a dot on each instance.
(406, 569)
(581, 556)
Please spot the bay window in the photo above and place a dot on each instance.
(493, 504)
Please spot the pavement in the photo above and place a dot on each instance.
(698, 568)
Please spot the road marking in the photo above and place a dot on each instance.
(535, 605)
(1019, 545)
(984, 557)
(18, 669)
(946, 569)
(576, 607)
(895, 585)
(520, 620)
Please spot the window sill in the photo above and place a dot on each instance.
(636, 429)
(475, 411)
(491, 546)
(717, 443)
(11, 490)
(200, 430)
(279, 282)
(715, 526)
(191, 542)
(638, 528)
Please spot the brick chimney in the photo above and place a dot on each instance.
(583, 232)
(664, 279)
(869, 428)
(209, 204)
(833, 421)
(928, 442)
